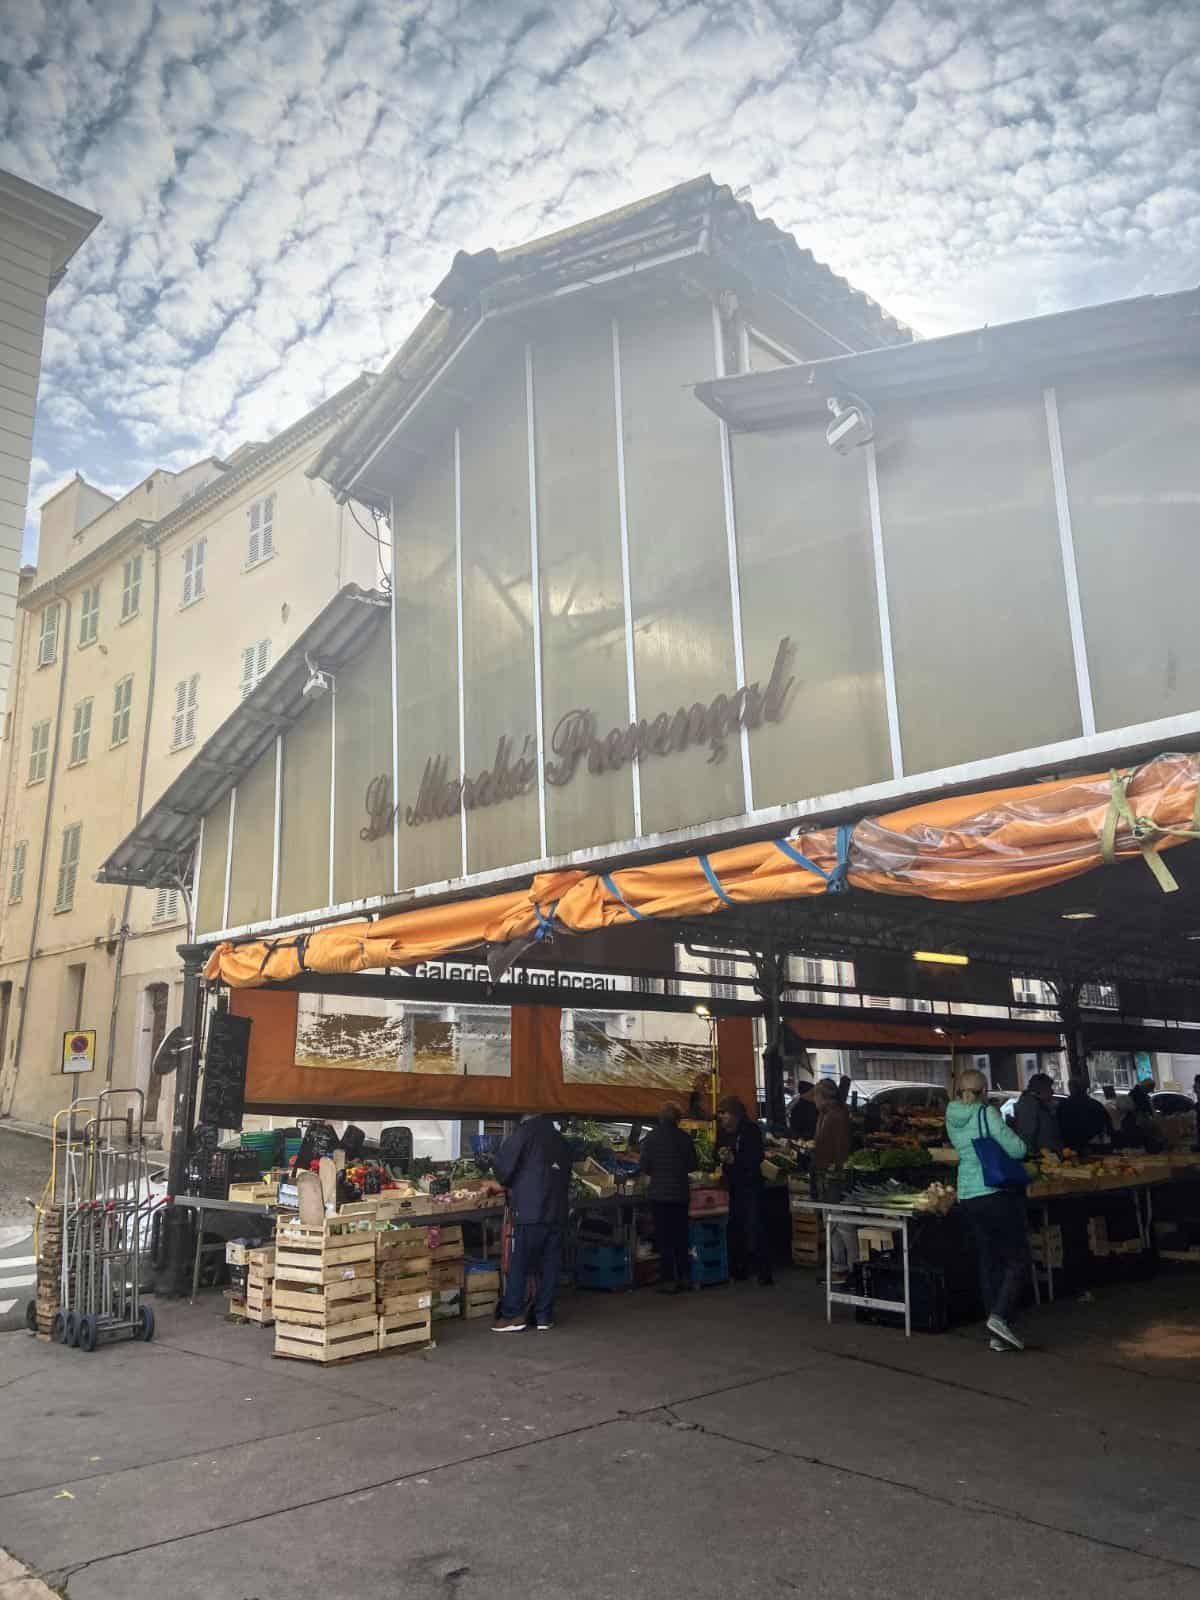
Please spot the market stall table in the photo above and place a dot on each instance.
(863, 1216)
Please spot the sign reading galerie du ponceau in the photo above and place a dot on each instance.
(576, 744)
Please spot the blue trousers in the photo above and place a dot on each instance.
(536, 1253)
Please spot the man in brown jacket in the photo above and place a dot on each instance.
(830, 1149)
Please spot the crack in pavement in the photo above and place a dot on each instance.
(965, 1503)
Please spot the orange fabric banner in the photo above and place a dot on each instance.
(969, 847)
(275, 1083)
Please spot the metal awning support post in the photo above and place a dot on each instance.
(1068, 1010)
(177, 1223)
(771, 969)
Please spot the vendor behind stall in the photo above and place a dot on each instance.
(1082, 1120)
(1141, 1128)
(802, 1113)
(1034, 1118)
(829, 1156)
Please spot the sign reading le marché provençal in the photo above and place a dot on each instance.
(576, 743)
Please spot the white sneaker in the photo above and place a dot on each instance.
(1001, 1329)
(999, 1344)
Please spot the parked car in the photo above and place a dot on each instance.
(1170, 1104)
(891, 1094)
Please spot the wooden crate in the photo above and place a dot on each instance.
(448, 1252)
(400, 1304)
(447, 1303)
(325, 1305)
(324, 1255)
(448, 1274)
(399, 1244)
(357, 1337)
(399, 1330)
(481, 1301)
(445, 1235)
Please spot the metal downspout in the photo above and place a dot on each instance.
(123, 931)
(65, 645)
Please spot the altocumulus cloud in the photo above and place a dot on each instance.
(282, 183)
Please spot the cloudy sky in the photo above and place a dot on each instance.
(283, 182)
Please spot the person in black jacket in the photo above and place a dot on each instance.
(1082, 1121)
(667, 1156)
(742, 1154)
(802, 1113)
(534, 1165)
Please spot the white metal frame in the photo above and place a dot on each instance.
(229, 848)
(885, 617)
(1066, 540)
(535, 600)
(278, 825)
(626, 580)
(461, 642)
(735, 584)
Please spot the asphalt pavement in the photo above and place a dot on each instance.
(723, 1443)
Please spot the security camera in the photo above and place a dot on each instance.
(319, 683)
(852, 424)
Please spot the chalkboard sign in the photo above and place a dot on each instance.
(223, 1098)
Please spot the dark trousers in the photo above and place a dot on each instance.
(748, 1250)
(536, 1253)
(998, 1226)
(671, 1234)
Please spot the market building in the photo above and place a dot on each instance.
(703, 566)
(145, 622)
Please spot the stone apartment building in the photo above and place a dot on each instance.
(144, 623)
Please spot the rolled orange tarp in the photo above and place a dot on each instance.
(987, 846)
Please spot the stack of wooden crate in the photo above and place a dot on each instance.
(252, 1274)
(481, 1290)
(449, 1270)
(324, 1298)
(403, 1287)
(49, 1266)
(808, 1229)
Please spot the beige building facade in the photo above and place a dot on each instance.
(39, 233)
(146, 621)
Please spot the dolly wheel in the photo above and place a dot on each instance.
(146, 1316)
(87, 1332)
(58, 1328)
(71, 1334)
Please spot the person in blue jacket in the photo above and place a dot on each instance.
(742, 1149)
(534, 1165)
(995, 1218)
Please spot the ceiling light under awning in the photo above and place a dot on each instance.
(943, 958)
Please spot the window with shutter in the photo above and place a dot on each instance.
(256, 660)
(122, 701)
(39, 751)
(16, 886)
(68, 867)
(81, 732)
(187, 702)
(131, 588)
(166, 905)
(89, 615)
(193, 571)
(262, 531)
(48, 641)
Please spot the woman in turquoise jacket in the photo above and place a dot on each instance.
(995, 1217)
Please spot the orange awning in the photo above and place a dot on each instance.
(987, 846)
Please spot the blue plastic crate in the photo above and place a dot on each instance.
(606, 1278)
(702, 1234)
(604, 1257)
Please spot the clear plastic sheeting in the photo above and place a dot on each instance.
(640, 1049)
(988, 846)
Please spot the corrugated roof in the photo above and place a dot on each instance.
(155, 853)
(700, 216)
(1037, 349)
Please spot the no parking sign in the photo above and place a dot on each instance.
(79, 1050)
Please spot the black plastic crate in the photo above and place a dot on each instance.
(927, 1295)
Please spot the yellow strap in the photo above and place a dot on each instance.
(1119, 811)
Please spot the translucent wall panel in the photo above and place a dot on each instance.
(363, 736)
(583, 613)
(253, 844)
(304, 851)
(210, 896)
(977, 598)
(498, 618)
(427, 663)
(805, 563)
(679, 560)
(1133, 479)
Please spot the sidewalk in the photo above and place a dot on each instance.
(726, 1443)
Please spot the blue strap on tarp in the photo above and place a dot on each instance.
(545, 927)
(801, 860)
(838, 880)
(713, 884)
(607, 880)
